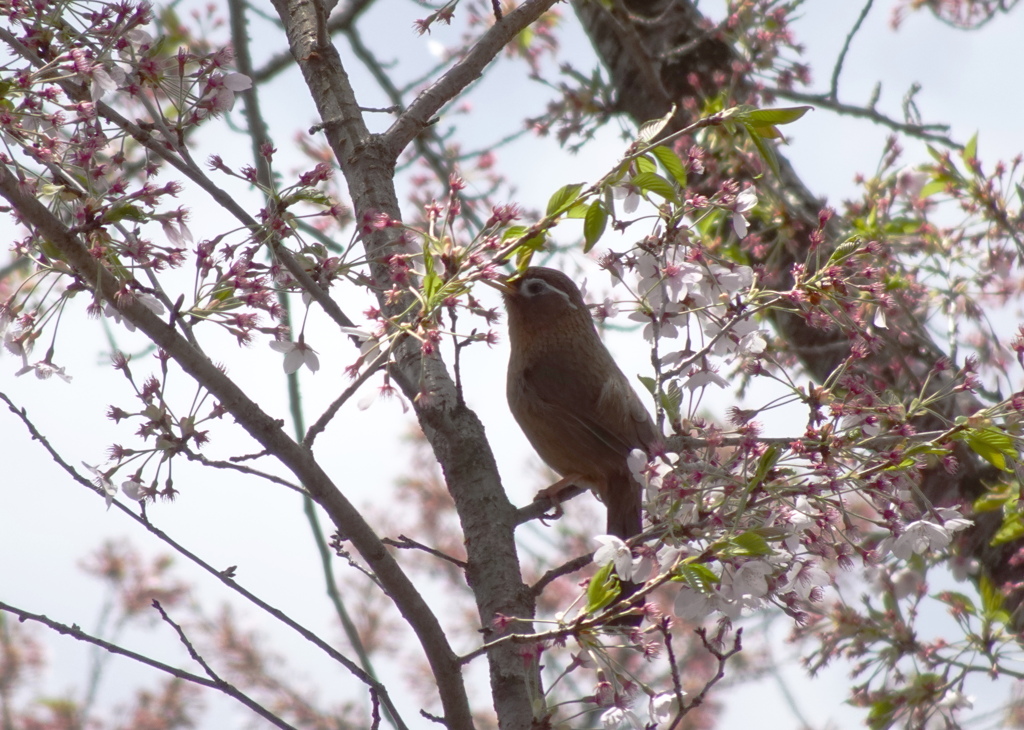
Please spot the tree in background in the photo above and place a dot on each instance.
(871, 327)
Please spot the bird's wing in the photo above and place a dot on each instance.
(608, 415)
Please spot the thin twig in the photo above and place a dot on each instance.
(677, 683)
(221, 684)
(927, 132)
(223, 576)
(219, 464)
(564, 569)
(424, 143)
(722, 657)
(469, 67)
(76, 633)
(407, 543)
(838, 68)
(321, 423)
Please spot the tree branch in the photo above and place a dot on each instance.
(453, 430)
(224, 576)
(221, 686)
(416, 118)
(261, 427)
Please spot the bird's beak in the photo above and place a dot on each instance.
(501, 285)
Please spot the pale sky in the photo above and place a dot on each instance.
(48, 523)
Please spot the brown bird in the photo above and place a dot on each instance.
(572, 401)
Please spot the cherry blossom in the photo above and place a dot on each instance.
(296, 354)
(745, 202)
(614, 550)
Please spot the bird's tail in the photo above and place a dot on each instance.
(625, 520)
(623, 502)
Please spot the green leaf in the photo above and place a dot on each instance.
(992, 445)
(991, 601)
(998, 496)
(649, 383)
(594, 224)
(652, 128)
(563, 199)
(958, 600)
(654, 183)
(646, 164)
(768, 132)
(750, 544)
(1012, 529)
(771, 117)
(525, 250)
(513, 232)
(766, 151)
(697, 576)
(882, 714)
(844, 249)
(603, 588)
(579, 210)
(310, 195)
(672, 163)
(970, 149)
(671, 400)
(764, 465)
(124, 211)
(936, 154)
(431, 285)
(935, 186)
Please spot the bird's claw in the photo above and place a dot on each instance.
(554, 495)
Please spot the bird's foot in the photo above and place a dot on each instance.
(556, 494)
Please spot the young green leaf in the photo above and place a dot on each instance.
(970, 149)
(935, 186)
(766, 151)
(525, 250)
(579, 210)
(654, 183)
(1011, 530)
(992, 445)
(996, 497)
(697, 576)
(960, 601)
(671, 400)
(651, 129)
(431, 285)
(991, 601)
(513, 232)
(671, 163)
(750, 544)
(771, 117)
(594, 224)
(646, 164)
(603, 588)
(564, 198)
(648, 383)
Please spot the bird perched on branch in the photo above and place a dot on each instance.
(572, 401)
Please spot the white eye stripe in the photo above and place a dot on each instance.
(536, 287)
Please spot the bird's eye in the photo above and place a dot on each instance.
(531, 288)
(534, 287)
